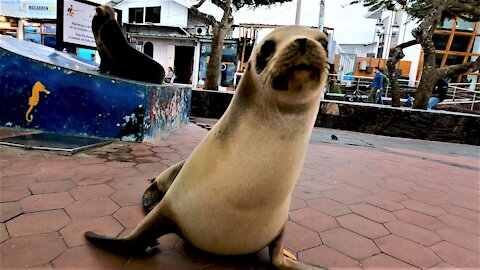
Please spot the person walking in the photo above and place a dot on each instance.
(439, 93)
(375, 95)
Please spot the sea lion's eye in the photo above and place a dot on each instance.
(324, 43)
(266, 51)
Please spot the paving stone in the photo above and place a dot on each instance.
(164, 260)
(456, 255)
(328, 257)
(431, 197)
(297, 203)
(91, 192)
(460, 238)
(91, 258)
(362, 226)
(91, 208)
(383, 261)
(313, 220)
(316, 185)
(462, 212)
(12, 194)
(130, 216)
(298, 238)
(396, 187)
(329, 207)
(73, 232)
(51, 186)
(383, 203)
(407, 251)
(418, 219)
(51, 174)
(372, 213)
(413, 233)
(444, 266)
(18, 252)
(344, 197)
(16, 180)
(3, 233)
(349, 243)
(9, 210)
(388, 194)
(130, 196)
(37, 223)
(461, 223)
(49, 201)
(424, 208)
(95, 179)
(305, 193)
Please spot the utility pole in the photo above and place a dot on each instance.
(297, 15)
(321, 16)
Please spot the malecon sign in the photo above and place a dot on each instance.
(41, 9)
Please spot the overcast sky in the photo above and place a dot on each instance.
(349, 22)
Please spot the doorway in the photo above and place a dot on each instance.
(183, 64)
(148, 49)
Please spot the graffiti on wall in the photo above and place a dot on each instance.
(34, 99)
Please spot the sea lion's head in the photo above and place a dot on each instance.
(290, 67)
(102, 15)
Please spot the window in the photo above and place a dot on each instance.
(41, 33)
(440, 41)
(152, 14)
(464, 26)
(454, 59)
(438, 59)
(447, 25)
(460, 43)
(135, 15)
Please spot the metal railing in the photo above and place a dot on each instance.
(458, 93)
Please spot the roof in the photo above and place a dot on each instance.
(262, 25)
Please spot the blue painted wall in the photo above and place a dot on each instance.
(82, 101)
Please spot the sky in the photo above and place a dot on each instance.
(349, 22)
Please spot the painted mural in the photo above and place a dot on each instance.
(48, 90)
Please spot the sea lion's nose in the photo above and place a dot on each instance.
(302, 42)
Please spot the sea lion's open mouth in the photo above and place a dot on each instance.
(281, 81)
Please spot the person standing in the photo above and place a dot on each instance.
(439, 93)
(375, 95)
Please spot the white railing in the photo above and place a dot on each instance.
(458, 93)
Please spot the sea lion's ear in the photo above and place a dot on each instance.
(266, 52)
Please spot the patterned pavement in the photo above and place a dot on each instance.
(355, 205)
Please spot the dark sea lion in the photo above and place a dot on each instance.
(117, 57)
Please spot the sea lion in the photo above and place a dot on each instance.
(117, 57)
(232, 195)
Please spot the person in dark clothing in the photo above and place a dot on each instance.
(439, 93)
(376, 86)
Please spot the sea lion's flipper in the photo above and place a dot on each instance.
(155, 192)
(145, 235)
(282, 262)
(118, 246)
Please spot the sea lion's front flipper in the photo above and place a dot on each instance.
(155, 192)
(282, 262)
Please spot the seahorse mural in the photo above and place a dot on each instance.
(34, 99)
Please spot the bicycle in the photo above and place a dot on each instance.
(357, 96)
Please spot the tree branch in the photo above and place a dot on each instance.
(208, 17)
(460, 69)
(222, 5)
(466, 8)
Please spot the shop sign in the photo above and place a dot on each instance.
(34, 9)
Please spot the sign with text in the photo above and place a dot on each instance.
(77, 23)
(44, 9)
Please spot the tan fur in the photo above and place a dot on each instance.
(232, 195)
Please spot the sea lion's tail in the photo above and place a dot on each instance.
(117, 245)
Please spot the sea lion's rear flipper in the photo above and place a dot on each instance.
(119, 246)
(155, 192)
(282, 262)
(145, 235)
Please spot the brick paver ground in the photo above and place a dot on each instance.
(355, 206)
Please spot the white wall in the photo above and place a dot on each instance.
(164, 50)
(172, 13)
